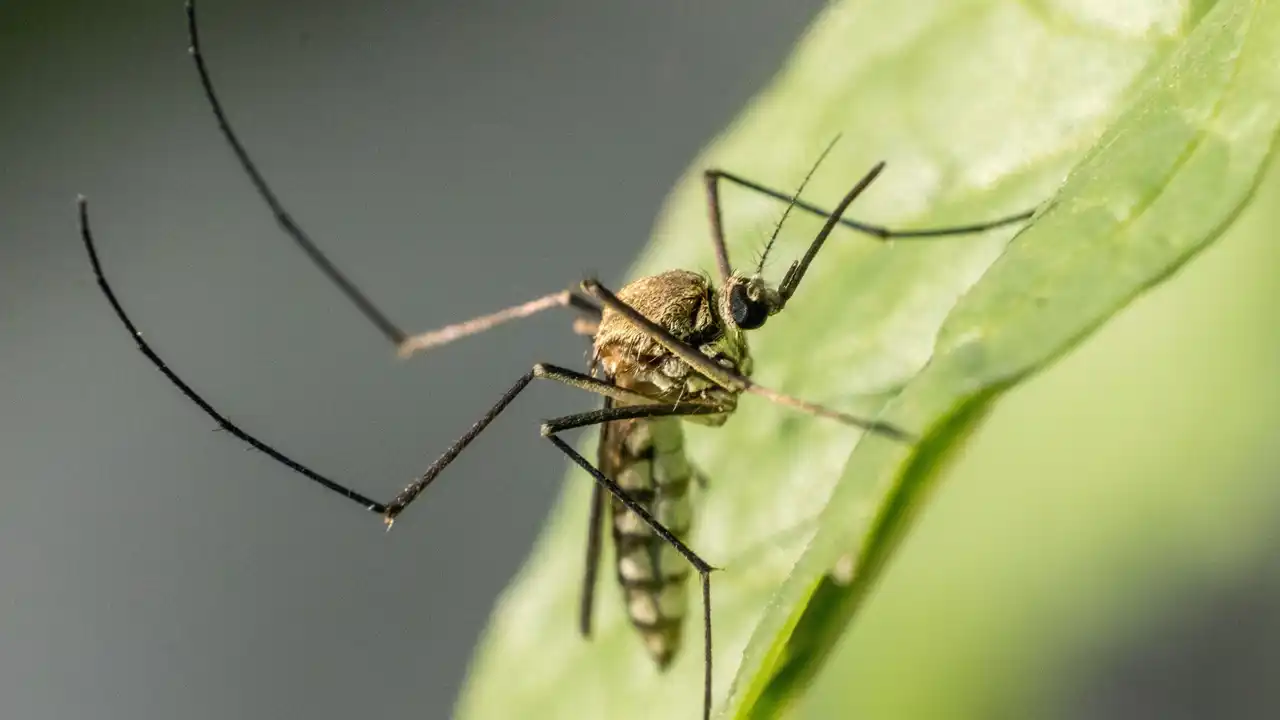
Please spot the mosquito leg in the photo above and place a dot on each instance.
(286, 222)
(704, 570)
(447, 334)
(405, 344)
(225, 423)
(629, 412)
(541, 370)
(717, 227)
(549, 429)
(727, 378)
(564, 375)
(595, 528)
(609, 414)
(713, 176)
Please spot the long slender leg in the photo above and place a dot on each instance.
(541, 370)
(595, 528)
(449, 333)
(286, 222)
(596, 521)
(568, 377)
(723, 266)
(563, 375)
(608, 414)
(629, 412)
(727, 378)
(713, 176)
(550, 428)
(406, 345)
(86, 235)
(704, 570)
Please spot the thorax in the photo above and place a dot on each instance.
(684, 304)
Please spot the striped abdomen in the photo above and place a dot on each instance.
(646, 458)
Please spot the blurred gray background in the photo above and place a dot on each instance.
(453, 157)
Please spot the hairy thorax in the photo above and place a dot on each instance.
(685, 304)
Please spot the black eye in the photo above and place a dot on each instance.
(748, 314)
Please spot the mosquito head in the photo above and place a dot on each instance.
(748, 301)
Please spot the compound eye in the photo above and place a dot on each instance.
(748, 314)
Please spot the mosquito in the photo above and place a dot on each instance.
(667, 348)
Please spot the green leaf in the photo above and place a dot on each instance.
(1167, 112)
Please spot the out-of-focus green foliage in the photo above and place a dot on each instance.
(1167, 112)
